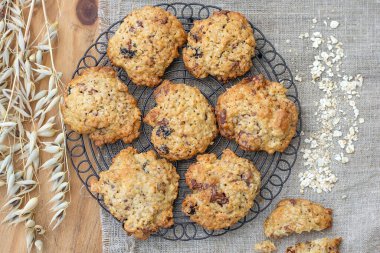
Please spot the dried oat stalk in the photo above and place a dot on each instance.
(27, 126)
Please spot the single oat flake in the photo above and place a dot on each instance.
(334, 24)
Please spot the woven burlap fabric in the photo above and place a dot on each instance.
(356, 218)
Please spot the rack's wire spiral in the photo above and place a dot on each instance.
(88, 160)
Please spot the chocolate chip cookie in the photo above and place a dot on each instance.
(183, 121)
(221, 45)
(297, 216)
(139, 189)
(324, 245)
(223, 190)
(146, 43)
(257, 114)
(98, 103)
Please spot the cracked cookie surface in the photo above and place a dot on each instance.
(146, 43)
(139, 189)
(257, 114)
(324, 245)
(183, 121)
(98, 103)
(221, 45)
(223, 190)
(296, 216)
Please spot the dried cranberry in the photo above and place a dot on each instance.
(163, 149)
(127, 53)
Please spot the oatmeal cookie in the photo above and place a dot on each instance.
(223, 190)
(98, 103)
(139, 189)
(296, 216)
(221, 45)
(183, 121)
(257, 114)
(324, 245)
(146, 43)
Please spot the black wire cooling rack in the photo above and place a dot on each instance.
(88, 160)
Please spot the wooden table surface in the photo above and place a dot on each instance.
(80, 231)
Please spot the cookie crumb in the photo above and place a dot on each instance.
(298, 78)
(265, 247)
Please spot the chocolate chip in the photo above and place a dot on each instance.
(163, 149)
(195, 37)
(144, 167)
(247, 178)
(218, 197)
(161, 187)
(198, 53)
(163, 131)
(222, 117)
(92, 91)
(164, 20)
(163, 122)
(139, 23)
(127, 53)
(195, 185)
(192, 210)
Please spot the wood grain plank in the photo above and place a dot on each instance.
(80, 232)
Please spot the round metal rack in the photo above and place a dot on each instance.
(88, 160)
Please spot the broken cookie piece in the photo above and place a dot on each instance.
(297, 216)
(324, 245)
(265, 247)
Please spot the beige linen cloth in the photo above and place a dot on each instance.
(356, 218)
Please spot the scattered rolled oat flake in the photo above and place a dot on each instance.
(287, 41)
(298, 78)
(344, 196)
(336, 112)
(334, 24)
(314, 20)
